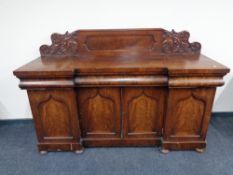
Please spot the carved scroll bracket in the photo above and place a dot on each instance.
(178, 42)
(62, 45)
(104, 41)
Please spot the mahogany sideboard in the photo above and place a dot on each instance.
(133, 87)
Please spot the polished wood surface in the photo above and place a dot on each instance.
(133, 87)
(100, 112)
(114, 65)
(55, 116)
(143, 110)
(187, 119)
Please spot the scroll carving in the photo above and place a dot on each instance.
(178, 42)
(157, 41)
(62, 45)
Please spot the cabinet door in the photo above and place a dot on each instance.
(188, 114)
(55, 115)
(100, 114)
(143, 112)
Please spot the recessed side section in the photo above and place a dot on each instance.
(187, 118)
(56, 119)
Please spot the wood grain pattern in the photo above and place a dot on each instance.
(150, 40)
(120, 80)
(143, 111)
(119, 42)
(100, 111)
(123, 65)
(127, 87)
(142, 107)
(189, 113)
(56, 119)
(193, 81)
(114, 42)
(54, 113)
(188, 117)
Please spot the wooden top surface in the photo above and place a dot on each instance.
(129, 64)
(133, 51)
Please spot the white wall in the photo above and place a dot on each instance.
(27, 24)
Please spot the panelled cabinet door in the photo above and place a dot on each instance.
(143, 112)
(100, 112)
(188, 113)
(55, 115)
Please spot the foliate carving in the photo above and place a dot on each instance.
(62, 45)
(102, 41)
(178, 42)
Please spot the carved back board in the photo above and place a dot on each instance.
(128, 41)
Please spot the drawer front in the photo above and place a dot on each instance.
(143, 112)
(99, 112)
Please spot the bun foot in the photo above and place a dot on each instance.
(164, 151)
(200, 150)
(43, 152)
(80, 151)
